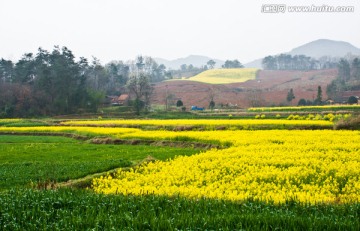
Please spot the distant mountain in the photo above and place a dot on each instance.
(317, 49)
(257, 63)
(325, 47)
(195, 60)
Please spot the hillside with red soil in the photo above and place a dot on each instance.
(269, 88)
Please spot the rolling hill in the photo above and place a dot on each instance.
(269, 88)
(325, 47)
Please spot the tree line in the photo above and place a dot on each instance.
(348, 78)
(54, 82)
(297, 62)
(303, 102)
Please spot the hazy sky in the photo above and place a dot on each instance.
(123, 29)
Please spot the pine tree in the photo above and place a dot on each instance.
(318, 99)
(290, 96)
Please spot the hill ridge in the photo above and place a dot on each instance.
(317, 49)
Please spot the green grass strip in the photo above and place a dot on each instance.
(67, 209)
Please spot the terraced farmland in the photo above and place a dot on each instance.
(141, 176)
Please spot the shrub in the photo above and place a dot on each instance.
(318, 117)
(347, 116)
(330, 117)
(348, 123)
(302, 102)
(179, 103)
(310, 117)
(352, 100)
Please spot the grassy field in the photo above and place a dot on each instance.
(223, 76)
(67, 209)
(39, 159)
(257, 180)
(22, 122)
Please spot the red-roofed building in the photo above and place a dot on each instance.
(123, 100)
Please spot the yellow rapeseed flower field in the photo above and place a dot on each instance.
(223, 76)
(202, 122)
(273, 166)
(9, 120)
(320, 166)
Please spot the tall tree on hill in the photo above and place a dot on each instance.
(335, 88)
(183, 67)
(255, 98)
(318, 100)
(211, 63)
(25, 69)
(118, 75)
(155, 71)
(344, 70)
(98, 77)
(355, 69)
(269, 63)
(139, 85)
(212, 93)
(6, 71)
(327, 62)
(290, 95)
(284, 61)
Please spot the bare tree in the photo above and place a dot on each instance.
(255, 98)
(211, 96)
(139, 85)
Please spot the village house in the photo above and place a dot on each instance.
(123, 100)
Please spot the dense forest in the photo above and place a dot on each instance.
(54, 83)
